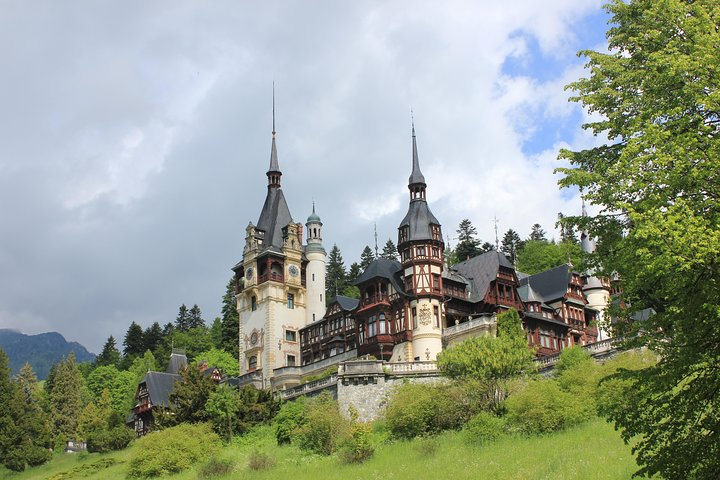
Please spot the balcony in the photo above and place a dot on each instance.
(272, 276)
(379, 298)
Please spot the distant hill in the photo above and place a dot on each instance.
(41, 351)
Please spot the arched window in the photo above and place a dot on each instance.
(252, 363)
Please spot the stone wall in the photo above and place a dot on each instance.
(366, 385)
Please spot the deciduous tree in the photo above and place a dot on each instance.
(656, 97)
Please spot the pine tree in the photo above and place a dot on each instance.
(336, 277)
(389, 250)
(468, 246)
(510, 245)
(182, 322)
(134, 343)
(354, 272)
(110, 355)
(366, 258)
(152, 336)
(537, 233)
(487, 247)
(230, 326)
(195, 319)
(66, 397)
(8, 428)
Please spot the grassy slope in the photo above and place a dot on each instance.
(592, 451)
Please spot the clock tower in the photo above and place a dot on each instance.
(421, 248)
(271, 284)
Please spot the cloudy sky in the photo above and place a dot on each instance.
(135, 136)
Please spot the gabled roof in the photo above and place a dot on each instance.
(482, 270)
(383, 268)
(160, 385)
(275, 216)
(551, 284)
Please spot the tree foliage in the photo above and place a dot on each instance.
(366, 258)
(537, 233)
(230, 326)
(656, 181)
(134, 343)
(536, 256)
(336, 276)
(221, 359)
(491, 359)
(468, 245)
(66, 397)
(511, 244)
(389, 251)
(110, 355)
(190, 395)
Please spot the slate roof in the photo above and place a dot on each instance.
(482, 270)
(160, 385)
(419, 218)
(346, 303)
(178, 361)
(383, 268)
(275, 216)
(551, 284)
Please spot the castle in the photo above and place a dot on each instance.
(408, 311)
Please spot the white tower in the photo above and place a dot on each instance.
(596, 289)
(315, 269)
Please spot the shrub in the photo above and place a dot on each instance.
(15, 460)
(324, 429)
(260, 461)
(420, 409)
(172, 450)
(542, 407)
(618, 383)
(572, 357)
(485, 428)
(358, 447)
(36, 455)
(216, 468)
(288, 420)
(107, 440)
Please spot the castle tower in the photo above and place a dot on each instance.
(315, 269)
(596, 289)
(421, 246)
(271, 284)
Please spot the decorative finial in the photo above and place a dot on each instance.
(497, 242)
(376, 245)
(313, 205)
(412, 121)
(273, 108)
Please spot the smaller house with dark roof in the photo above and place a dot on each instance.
(557, 313)
(153, 392)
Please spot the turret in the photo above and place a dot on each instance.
(315, 269)
(421, 248)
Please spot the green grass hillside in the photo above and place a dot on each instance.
(591, 451)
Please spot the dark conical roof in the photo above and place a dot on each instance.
(419, 218)
(274, 166)
(275, 216)
(416, 176)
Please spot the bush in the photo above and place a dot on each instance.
(35, 456)
(485, 428)
(324, 429)
(428, 446)
(107, 440)
(618, 383)
(260, 461)
(172, 450)
(358, 447)
(572, 357)
(421, 409)
(288, 420)
(216, 468)
(15, 460)
(542, 407)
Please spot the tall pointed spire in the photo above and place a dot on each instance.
(273, 172)
(416, 177)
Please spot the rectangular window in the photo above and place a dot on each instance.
(291, 360)
(414, 316)
(291, 335)
(313, 277)
(253, 303)
(372, 326)
(291, 300)
(436, 312)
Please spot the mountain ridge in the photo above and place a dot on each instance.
(41, 351)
